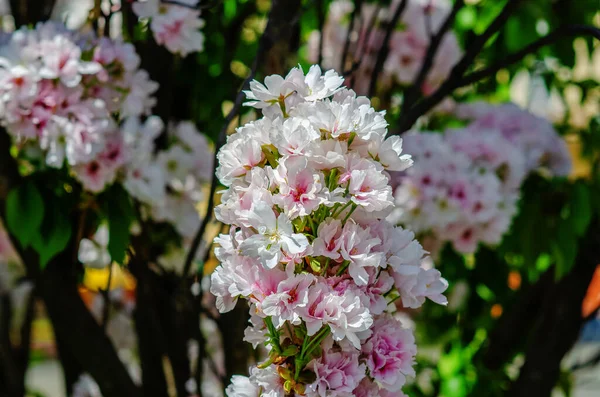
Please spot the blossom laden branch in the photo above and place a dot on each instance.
(309, 247)
(558, 34)
(415, 111)
(383, 52)
(356, 11)
(412, 93)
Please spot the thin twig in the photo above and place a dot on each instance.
(106, 296)
(566, 30)
(384, 50)
(107, 18)
(363, 46)
(198, 6)
(356, 11)
(321, 18)
(265, 43)
(458, 71)
(415, 89)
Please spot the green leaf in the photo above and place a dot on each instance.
(54, 234)
(485, 293)
(24, 212)
(455, 386)
(581, 208)
(451, 363)
(289, 351)
(564, 249)
(120, 213)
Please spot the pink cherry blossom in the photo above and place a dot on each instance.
(390, 353)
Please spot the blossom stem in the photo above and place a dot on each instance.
(336, 214)
(312, 225)
(350, 213)
(273, 335)
(343, 268)
(326, 266)
(316, 341)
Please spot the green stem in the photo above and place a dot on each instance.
(273, 335)
(337, 213)
(316, 341)
(343, 268)
(325, 267)
(350, 213)
(394, 299)
(312, 224)
(307, 349)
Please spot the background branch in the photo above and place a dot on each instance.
(413, 92)
(385, 47)
(560, 322)
(559, 33)
(408, 118)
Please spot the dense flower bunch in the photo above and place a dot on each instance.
(533, 135)
(175, 26)
(62, 94)
(170, 181)
(465, 183)
(309, 247)
(407, 47)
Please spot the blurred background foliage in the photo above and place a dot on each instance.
(560, 82)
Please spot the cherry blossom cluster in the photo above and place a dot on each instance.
(309, 247)
(465, 184)
(533, 135)
(168, 183)
(407, 46)
(62, 95)
(175, 26)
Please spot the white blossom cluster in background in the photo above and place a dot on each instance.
(170, 180)
(533, 135)
(175, 26)
(76, 100)
(167, 182)
(62, 95)
(465, 183)
(407, 47)
(309, 247)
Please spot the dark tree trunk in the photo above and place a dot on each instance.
(26, 12)
(78, 332)
(237, 351)
(560, 323)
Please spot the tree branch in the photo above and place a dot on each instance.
(426, 104)
(9, 377)
(57, 286)
(356, 11)
(27, 12)
(566, 30)
(508, 331)
(561, 321)
(321, 19)
(414, 91)
(82, 335)
(384, 50)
